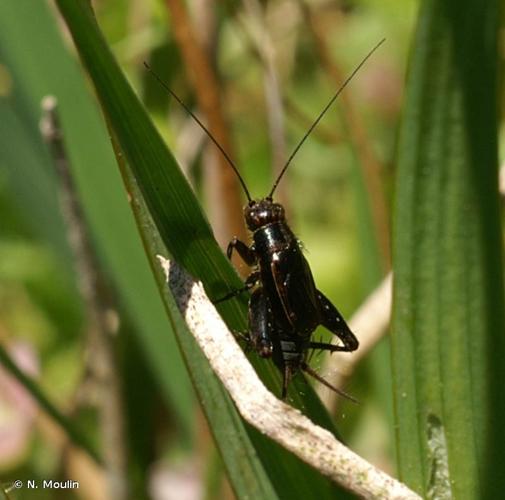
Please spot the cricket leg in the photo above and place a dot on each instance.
(325, 346)
(333, 321)
(260, 324)
(251, 280)
(247, 254)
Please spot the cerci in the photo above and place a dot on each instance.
(285, 306)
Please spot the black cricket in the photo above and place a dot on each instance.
(285, 306)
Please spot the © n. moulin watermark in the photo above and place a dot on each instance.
(48, 484)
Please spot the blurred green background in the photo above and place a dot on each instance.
(339, 194)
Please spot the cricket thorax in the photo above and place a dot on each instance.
(259, 213)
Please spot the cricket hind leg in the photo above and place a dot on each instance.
(257, 337)
(261, 331)
(325, 346)
(333, 321)
(260, 323)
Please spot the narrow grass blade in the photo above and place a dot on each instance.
(43, 401)
(36, 64)
(246, 472)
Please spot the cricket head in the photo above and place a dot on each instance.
(259, 213)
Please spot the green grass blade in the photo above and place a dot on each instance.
(246, 472)
(184, 230)
(44, 402)
(38, 64)
(448, 343)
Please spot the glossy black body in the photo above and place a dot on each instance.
(285, 306)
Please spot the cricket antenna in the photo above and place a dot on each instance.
(318, 119)
(203, 127)
(307, 369)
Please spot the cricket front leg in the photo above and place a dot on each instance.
(333, 321)
(247, 254)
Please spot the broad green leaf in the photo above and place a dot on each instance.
(448, 339)
(185, 232)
